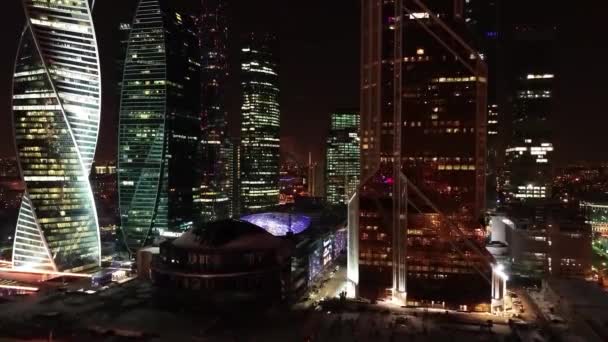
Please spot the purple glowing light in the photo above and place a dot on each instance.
(279, 224)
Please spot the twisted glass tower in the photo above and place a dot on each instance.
(56, 113)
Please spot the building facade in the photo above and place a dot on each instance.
(532, 80)
(484, 19)
(159, 124)
(544, 240)
(260, 125)
(423, 158)
(56, 115)
(343, 165)
(596, 214)
(225, 261)
(215, 192)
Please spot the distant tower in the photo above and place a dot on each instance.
(342, 166)
(56, 115)
(159, 124)
(216, 149)
(260, 125)
(530, 151)
(312, 176)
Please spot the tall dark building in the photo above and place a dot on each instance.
(215, 191)
(414, 224)
(260, 125)
(484, 19)
(159, 124)
(532, 66)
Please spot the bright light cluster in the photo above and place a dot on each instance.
(279, 224)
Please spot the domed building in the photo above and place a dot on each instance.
(226, 260)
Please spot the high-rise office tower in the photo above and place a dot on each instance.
(529, 154)
(260, 125)
(56, 114)
(215, 178)
(342, 165)
(416, 222)
(484, 18)
(159, 124)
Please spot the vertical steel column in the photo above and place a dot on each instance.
(399, 219)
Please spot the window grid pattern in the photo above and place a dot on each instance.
(56, 114)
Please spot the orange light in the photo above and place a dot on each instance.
(16, 287)
(65, 274)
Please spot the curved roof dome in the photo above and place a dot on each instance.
(279, 224)
(227, 234)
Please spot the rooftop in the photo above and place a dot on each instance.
(227, 234)
(280, 224)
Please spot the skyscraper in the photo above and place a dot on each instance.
(423, 154)
(484, 18)
(260, 125)
(159, 124)
(56, 114)
(216, 152)
(530, 150)
(342, 166)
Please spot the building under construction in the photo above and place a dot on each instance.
(415, 231)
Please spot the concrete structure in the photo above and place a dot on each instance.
(318, 243)
(226, 260)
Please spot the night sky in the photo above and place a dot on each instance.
(319, 69)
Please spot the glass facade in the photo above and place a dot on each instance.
(343, 162)
(215, 192)
(159, 125)
(56, 114)
(260, 126)
(423, 155)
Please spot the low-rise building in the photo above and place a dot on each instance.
(225, 261)
(275, 256)
(540, 240)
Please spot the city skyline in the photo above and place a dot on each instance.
(276, 171)
(310, 40)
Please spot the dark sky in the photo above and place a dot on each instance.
(319, 57)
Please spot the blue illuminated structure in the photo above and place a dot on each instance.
(279, 224)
